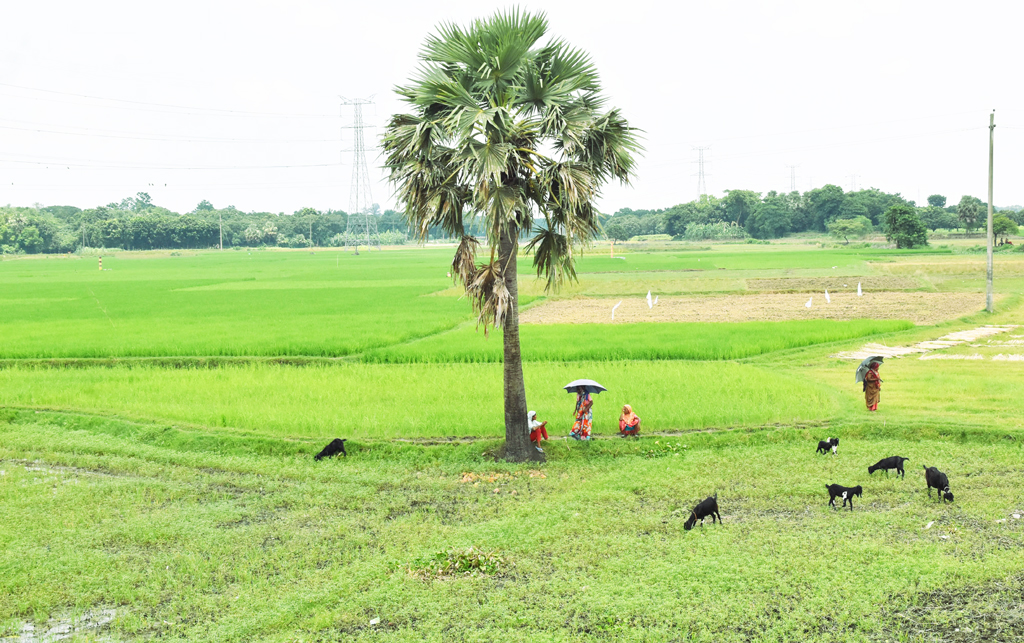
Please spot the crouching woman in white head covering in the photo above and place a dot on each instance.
(538, 430)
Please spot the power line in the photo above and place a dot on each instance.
(88, 166)
(678, 161)
(212, 110)
(183, 139)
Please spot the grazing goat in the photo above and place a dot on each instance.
(336, 446)
(846, 493)
(706, 507)
(894, 462)
(935, 478)
(828, 444)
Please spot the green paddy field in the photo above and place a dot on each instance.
(158, 418)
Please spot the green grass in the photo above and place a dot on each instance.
(745, 257)
(420, 400)
(646, 341)
(218, 542)
(232, 303)
(180, 492)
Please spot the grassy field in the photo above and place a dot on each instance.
(234, 303)
(195, 535)
(157, 421)
(642, 342)
(419, 400)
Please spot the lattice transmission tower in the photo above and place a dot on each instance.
(701, 173)
(362, 225)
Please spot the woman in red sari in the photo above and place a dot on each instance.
(872, 386)
(629, 422)
(583, 415)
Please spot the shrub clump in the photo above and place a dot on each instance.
(461, 562)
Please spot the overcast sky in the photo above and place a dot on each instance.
(238, 102)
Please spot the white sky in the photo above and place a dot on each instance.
(889, 94)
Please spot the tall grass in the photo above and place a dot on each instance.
(645, 341)
(414, 400)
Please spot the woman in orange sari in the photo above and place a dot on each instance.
(872, 386)
(629, 422)
(584, 417)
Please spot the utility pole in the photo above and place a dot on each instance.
(991, 143)
(220, 223)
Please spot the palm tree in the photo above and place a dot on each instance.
(510, 129)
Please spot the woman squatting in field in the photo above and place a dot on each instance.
(538, 430)
(629, 422)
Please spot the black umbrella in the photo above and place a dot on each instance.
(862, 370)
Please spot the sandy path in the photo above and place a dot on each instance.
(919, 307)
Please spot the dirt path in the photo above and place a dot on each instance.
(919, 307)
(946, 341)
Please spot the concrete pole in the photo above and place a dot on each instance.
(989, 306)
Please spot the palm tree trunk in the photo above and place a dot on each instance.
(517, 434)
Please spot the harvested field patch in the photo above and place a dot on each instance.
(918, 307)
(834, 284)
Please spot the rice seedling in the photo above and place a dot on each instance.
(646, 341)
(418, 400)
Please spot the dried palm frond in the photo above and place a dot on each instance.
(489, 295)
(464, 262)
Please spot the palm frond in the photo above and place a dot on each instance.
(489, 296)
(464, 262)
(553, 258)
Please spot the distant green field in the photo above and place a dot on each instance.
(647, 341)
(741, 258)
(325, 304)
(231, 303)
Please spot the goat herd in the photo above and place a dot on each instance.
(934, 478)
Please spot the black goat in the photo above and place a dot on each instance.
(828, 444)
(846, 493)
(705, 508)
(935, 478)
(336, 446)
(894, 462)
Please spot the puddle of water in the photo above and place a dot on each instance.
(60, 629)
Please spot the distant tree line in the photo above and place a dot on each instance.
(136, 223)
(827, 209)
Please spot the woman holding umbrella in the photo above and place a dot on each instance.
(867, 372)
(872, 386)
(583, 415)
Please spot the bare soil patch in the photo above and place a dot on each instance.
(834, 284)
(918, 307)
